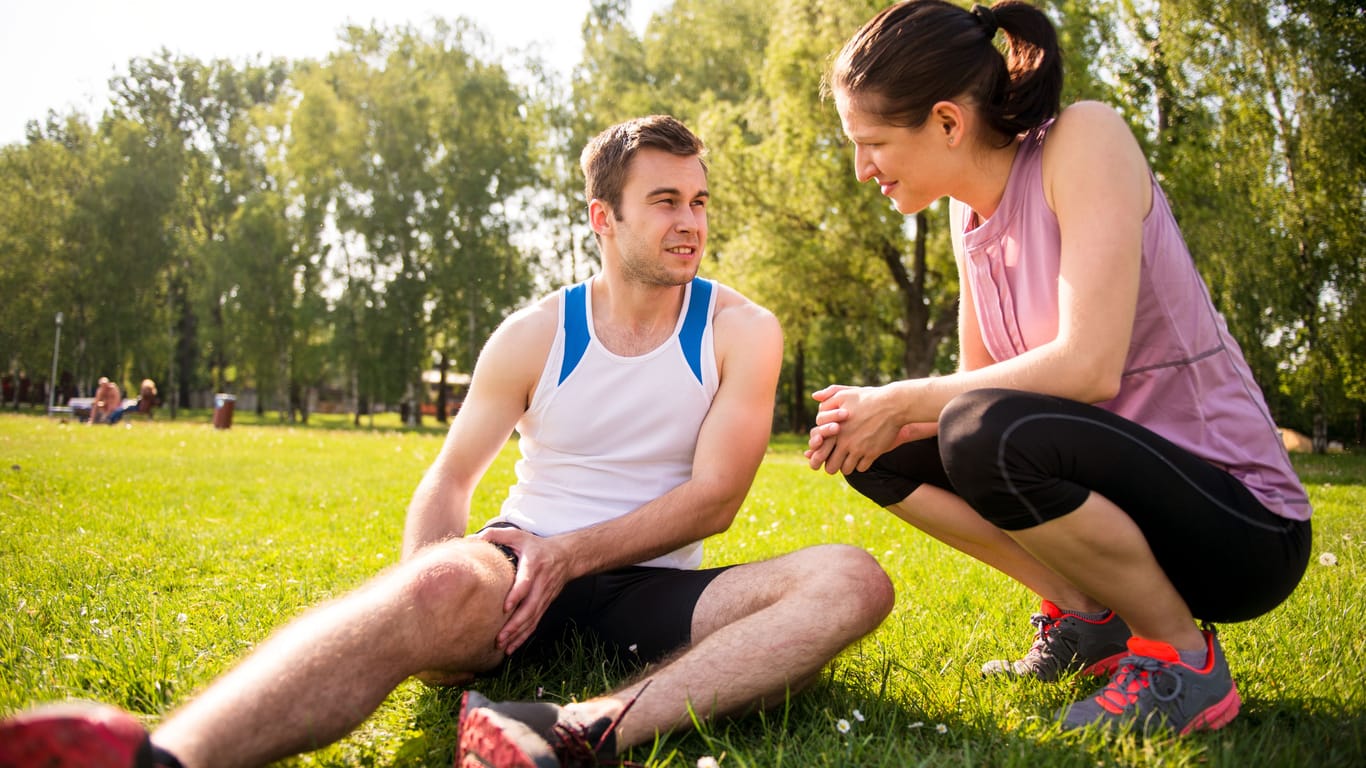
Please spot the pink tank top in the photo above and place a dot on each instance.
(1184, 378)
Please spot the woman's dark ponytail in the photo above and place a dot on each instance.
(919, 52)
(1034, 64)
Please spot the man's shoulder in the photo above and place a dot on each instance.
(739, 307)
(744, 326)
(536, 317)
(515, 353)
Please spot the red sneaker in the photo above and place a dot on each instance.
(74, 735)
(1153, 690)
(1065, 643)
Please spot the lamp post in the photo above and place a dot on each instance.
(52, 382)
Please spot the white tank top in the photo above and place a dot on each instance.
(605, 434)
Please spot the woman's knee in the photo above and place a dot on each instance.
(975, 435)
(974, 421)
(870, 483)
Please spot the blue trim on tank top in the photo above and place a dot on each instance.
(694, 324)
(575, 328)
(690, 336)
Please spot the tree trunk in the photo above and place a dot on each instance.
(797, 416)
(442, 391)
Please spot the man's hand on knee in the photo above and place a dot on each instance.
(543, 568)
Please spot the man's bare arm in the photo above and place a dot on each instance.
(500, 389)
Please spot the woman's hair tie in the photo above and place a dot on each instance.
(986, 18)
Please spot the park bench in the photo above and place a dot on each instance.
(79, 407)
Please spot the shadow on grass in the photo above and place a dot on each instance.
(840, 720)
(806, 729)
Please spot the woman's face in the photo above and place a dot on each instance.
(910, 165)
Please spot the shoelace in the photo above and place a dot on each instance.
(1135, 674)
(1042, 624)
(572, 744)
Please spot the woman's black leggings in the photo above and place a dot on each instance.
(1020, 459)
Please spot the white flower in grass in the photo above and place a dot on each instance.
(849, 519)
(858, 715)
(707, 761)
(632, 647)
(941, 728)
(916, 724)
(1328, 558)
(842, 725)
(540, 691)
(181, 618)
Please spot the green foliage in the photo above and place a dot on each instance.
(425, 178)
(139, 582)
(1257, 139)
(344, 223)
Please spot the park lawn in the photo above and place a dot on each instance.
(138, 562)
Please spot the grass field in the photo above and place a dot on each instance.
(138, 563)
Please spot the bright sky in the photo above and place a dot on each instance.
(60, 55)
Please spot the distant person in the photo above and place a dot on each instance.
(147, 397)
(644, 398)
(108, 402)
(1103, 441)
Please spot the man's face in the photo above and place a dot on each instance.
(661, 228)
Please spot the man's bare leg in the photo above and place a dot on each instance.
(760, 631)
(319, 677)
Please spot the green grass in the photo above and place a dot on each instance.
(138, 563)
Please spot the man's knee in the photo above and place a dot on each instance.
(853, 579)
(453, 594)
(456, 583)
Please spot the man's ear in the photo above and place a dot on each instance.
(600, 216)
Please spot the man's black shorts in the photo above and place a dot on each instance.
(638, 613)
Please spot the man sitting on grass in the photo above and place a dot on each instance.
(643, 398)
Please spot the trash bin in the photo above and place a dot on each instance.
(222, 410)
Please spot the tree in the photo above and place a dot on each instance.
(431, 161)
(198, 114)
(1259, 107)
(42, 242)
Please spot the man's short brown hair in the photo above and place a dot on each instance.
(608, 155)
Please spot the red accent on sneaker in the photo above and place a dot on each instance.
(1153, 649)
(1053, 612)
(1114, 699)
(1217, 716)
(74, 734)
(492, 745)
